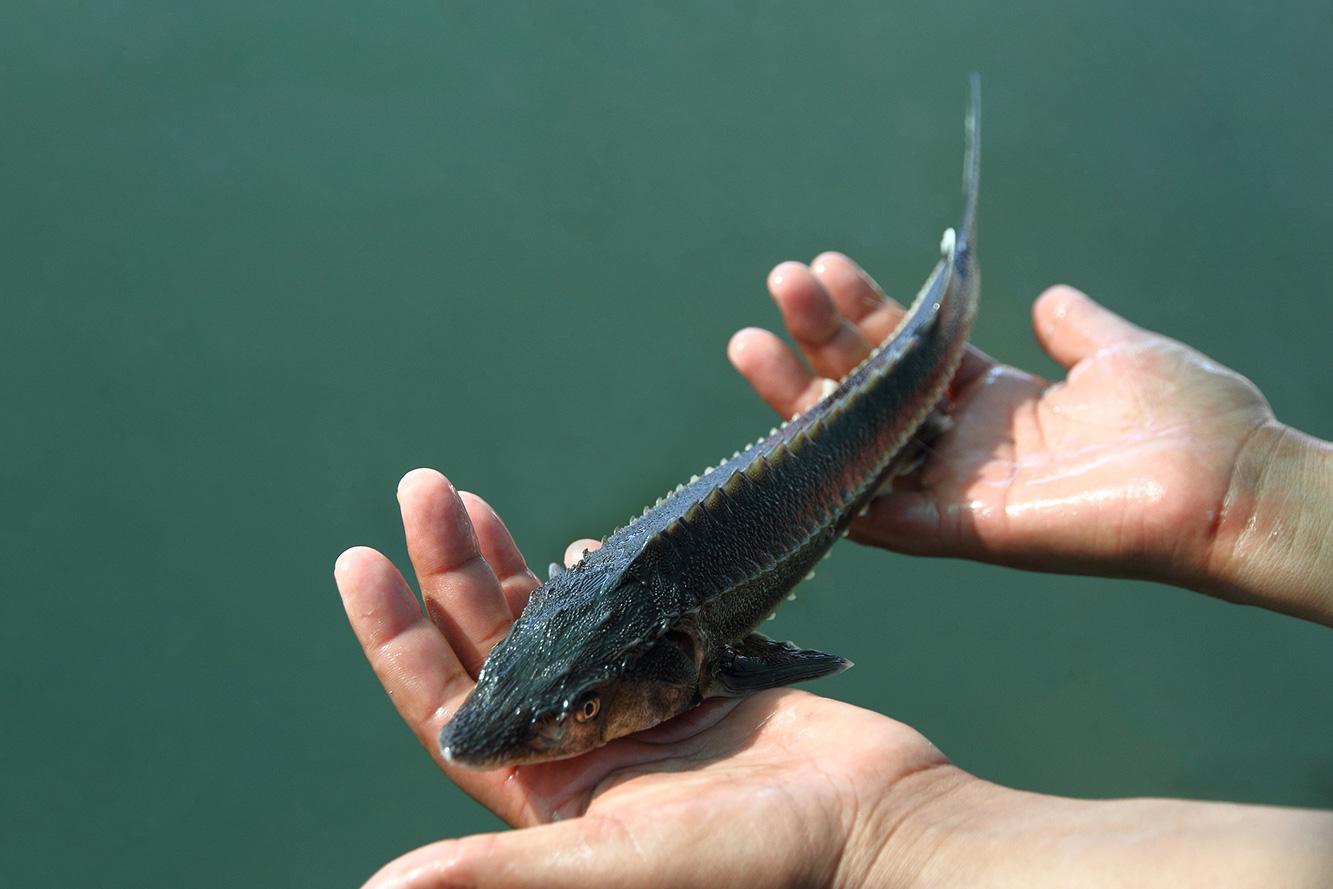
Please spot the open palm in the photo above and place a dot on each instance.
(660, 808)
(1126, 467)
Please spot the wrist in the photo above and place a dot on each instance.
(953, 829)
(1274, 541)
(968, 832)
(894, 843)
(945, 827)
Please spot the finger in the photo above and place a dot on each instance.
(857, 296)
(462, 594)
(424, 678)
(776, 374)
(860, 300)
(535, 856)
(676, 848)
(578, 549)
(831, 343)
(501, 553)
(1070, 325)
(974, 366)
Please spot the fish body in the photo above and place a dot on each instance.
(663, 615)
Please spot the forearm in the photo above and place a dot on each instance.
(1274, 541)
(981, 835)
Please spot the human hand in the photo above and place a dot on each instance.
(1148, 460)
(780, 788)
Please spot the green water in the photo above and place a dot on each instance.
(259, 259)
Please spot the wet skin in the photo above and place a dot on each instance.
(670, 807)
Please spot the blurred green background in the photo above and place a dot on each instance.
(260, 259)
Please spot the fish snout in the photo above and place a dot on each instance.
(477, 743)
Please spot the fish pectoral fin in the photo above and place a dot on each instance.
(756, 663)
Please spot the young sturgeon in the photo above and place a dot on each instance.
(663, 615)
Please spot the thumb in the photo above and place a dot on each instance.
(1070, 325)
(574, 854)
(564, 853)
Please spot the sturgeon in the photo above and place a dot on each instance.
(664, 614)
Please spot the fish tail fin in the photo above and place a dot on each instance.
(971, 162)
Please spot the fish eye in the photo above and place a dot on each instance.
(588, 708)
